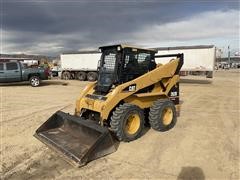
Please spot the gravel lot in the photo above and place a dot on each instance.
(203, 145)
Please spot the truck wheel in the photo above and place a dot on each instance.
(34, 81)
(162, 115)
(92, 76)
(127, 122)
(66, 75)
(81, 76)
(209, 74)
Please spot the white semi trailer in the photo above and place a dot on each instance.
(198, 60)
(81, 66)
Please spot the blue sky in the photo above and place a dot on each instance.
(52, 27)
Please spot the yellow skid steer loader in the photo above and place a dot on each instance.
(131, 90)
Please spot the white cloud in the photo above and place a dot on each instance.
(14, 42)
(213, 27)
(207, 25)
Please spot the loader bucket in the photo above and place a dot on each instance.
(76, 139)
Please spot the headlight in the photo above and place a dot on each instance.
(119, 48)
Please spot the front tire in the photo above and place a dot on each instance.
(34, 81)
(162, 115)
(127, 122)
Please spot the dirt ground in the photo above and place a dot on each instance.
(203, 145)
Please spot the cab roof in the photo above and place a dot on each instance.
(123, 46)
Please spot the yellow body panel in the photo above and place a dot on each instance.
(163, 73)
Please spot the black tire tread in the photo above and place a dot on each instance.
(79, 74)
(93, 75)
(118, 117)
(155, 113)
(66, 75)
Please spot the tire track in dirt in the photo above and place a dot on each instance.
(201, 138)
(39, 111)
(21, 159)
(230, 120)
(36, 167)
(23, 132)
(30, 120)
(22, 115)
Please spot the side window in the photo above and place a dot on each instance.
(12, 66)
(143, 57)
(131, 60)
(1, 66)
(126, 60)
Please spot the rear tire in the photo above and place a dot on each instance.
(92, 76)
(66, 75)
(209, 74)
(162, 115)
(34, 81)
(81, 76)
(127, 122)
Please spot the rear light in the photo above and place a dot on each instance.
(47, 72)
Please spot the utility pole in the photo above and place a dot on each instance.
(229, 55)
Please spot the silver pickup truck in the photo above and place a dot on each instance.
(16, 72)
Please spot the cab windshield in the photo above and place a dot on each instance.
(107, 74)
(109, 58)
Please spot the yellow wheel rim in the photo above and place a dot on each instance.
(132, 124)
(167, 116)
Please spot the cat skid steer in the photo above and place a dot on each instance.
(131, 90)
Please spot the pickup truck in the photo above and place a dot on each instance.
(16, 72)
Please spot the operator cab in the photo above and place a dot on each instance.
(122, 63)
